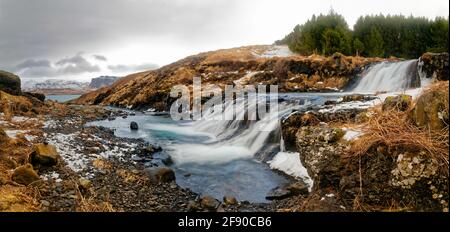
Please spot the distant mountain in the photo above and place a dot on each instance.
(54, 84)
(102, 81)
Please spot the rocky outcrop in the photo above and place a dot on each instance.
(102, 81)
(9, 83)
(321, 154)
(435, 65)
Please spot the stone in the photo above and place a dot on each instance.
(192, 206)
(84, 183)
(165, 159)
(298, 188)
(353, 97)
(25, 175)
(278, 193)
(10, 83)
(161, 174)
(209, 202)
(230, 200)
(44, 154)
(134, 126)
(398, 103)
(431, 109)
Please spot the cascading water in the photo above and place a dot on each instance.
(389, 77)
(237, 138)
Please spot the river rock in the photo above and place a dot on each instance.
(134, 126)
(25, 175)
(278, 193)
(298, 188)
(44, 154)
(9, 83)
(160, 174)
(209, 202)
(431, 109)
(399, 103)
(230, 200)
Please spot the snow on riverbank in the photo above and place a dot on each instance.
(289, 163)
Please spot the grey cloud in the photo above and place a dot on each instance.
(122, 68)
(76, 64)
(32, 63)
(100, 57)
(48, 28)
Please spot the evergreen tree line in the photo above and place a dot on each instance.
(378, 35)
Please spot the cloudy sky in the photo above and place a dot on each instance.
(81, 39)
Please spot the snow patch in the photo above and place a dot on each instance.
(275, 51)
(289, 163)
(351, 134)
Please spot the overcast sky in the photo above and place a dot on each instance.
(81, 39)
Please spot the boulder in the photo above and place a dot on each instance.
(398, 103)
(160, 174)
(44, 154)
(431, 109)
(10, 83)
(25, 175)
(134, 126)
(209, 202)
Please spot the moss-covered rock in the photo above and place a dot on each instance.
(9, 83)
(25, 175)
(431, 110)
(399, 103)
(44, 154)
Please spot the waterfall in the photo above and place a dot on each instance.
(389, 77)
(236, 138)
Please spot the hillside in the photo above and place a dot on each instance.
(264, 64)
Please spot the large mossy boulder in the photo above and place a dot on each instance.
(25, 175)
(431, 110)
(9, 83)
(44, 154)
(398, 103)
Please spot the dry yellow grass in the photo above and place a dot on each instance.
(396, 131)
